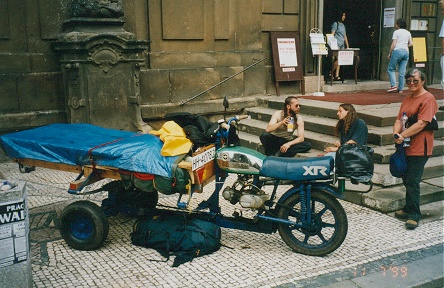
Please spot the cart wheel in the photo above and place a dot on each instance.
(84, 225)
(326, 231)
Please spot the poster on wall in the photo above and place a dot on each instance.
(287, 52)
(389, 17)
(419, 49)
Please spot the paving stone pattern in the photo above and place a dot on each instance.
(248, 259)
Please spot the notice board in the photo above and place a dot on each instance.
(419, 49)
(418, 56)
(287, 58)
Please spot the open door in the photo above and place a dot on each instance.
(363, 29)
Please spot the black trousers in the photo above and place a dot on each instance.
(272, 144)
(411, 180)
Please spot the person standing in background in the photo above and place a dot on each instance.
(399, 55)
(441, 35)
(339, 32)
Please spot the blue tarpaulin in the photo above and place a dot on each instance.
(83, 144)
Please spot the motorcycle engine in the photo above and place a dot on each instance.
(252, 197)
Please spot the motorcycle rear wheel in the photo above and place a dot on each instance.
(326, 231)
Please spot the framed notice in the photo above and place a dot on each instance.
(287, 58)
(345, 57)
(418, 55)
(419, 49)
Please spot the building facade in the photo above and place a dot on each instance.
(183, 48)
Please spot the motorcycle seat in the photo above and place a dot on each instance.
(297, 169)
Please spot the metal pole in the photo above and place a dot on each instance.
(246, 68)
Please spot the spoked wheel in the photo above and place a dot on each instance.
(84, 226)
(326, 230)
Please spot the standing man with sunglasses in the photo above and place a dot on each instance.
(280, 137)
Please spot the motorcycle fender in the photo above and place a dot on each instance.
(327, 188)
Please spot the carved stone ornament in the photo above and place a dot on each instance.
(105, 57)
(97, 8)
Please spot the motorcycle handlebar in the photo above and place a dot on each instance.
(226, 125)
(241, 117)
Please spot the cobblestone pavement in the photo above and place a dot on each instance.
(375, 241)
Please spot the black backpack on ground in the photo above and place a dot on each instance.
(175, 234)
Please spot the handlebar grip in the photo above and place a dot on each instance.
(240, 117)
(225, 126)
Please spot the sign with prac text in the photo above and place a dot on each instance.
(13, 238)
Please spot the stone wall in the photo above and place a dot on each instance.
(193, 45)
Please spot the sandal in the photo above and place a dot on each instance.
(338, 78)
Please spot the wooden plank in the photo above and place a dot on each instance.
(103, 171)
(49, 165)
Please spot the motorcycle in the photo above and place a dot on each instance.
(308, 216)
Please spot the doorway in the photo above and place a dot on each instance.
(363, 31)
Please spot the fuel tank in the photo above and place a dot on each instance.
(239, 160)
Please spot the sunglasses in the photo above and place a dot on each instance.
(412, 81)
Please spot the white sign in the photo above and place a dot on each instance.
(319, 49)
(389, 17)
(13, 240)
(203, 158)
(414, 24)
(287, 52)
(423, 25)
(332, 42)
(317, 38)
(345, 57)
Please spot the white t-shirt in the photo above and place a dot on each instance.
(402, 37)
(441, 33)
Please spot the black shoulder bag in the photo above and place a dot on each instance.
(431, 126)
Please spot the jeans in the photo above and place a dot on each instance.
(411, 180)
(399, 58)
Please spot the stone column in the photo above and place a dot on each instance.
(101, 62)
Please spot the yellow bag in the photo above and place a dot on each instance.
(174, 139)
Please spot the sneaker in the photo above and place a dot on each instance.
(393, 89)
(400, 91)
(411, 224)
(401, 214)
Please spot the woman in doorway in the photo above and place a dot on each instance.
(421, 142)
(339, 32)
(399, 55)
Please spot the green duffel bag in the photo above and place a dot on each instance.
(143, 182)
(181, 183)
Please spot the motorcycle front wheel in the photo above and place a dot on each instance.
(325, 231)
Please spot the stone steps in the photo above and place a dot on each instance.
(388, 193)
(319, 132)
